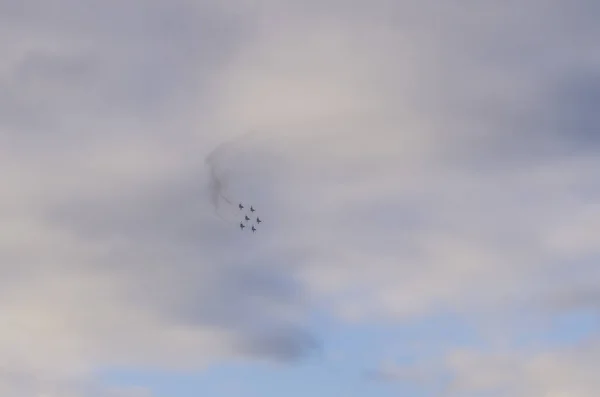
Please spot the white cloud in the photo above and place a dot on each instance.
(567, 372)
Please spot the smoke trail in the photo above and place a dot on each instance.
(218, 178)
(219, 163)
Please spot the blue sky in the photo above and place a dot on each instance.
(349, 365)
(426, 173)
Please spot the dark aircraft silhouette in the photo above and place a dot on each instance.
(242, 226)
(251, 209)
(253, 229)
(247, 218)
(258, 220)
(241, 206)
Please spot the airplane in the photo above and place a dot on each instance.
(258, 220)
(252, 209)
(241, 206)
(242, 226)
(253, 229)
(247, 218)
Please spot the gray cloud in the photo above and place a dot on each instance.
(282, 344)
(176, 258)
(147, 62)
(576, 101)
(577, 296)
(409, 160)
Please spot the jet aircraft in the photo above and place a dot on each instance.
(246, 217)
(241, 206)
(252, 209)
(258, 220)
(253, 229)
(242, 226)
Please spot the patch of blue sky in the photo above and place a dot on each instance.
(351, 353)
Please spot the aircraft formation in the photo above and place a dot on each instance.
(247, 219)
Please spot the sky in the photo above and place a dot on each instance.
(426, 172)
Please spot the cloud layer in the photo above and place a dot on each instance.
(409, 158)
